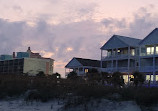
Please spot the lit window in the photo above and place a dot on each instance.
(156, 49)
(132, 52)
(148, 77)
(118, 51)
(150, 50)
(131, 76)
(156, 77)
(125, 77)
(86, 70)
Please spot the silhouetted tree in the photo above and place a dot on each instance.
(105, 76)
(117, 79)
(72, 75)
(93, 70)
(41, 73)
(94, 76)
(56, 75)
(139, 78)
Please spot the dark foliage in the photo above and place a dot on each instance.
(46, 88)
(93, 70)
(139, 78)
(72, 75)
(56, 76)
(41, 73)
(117, 79)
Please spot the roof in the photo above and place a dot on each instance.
(150, 39)
(117, 41)
(83, 62)
(89, 62)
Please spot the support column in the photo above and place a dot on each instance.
(65, 72)
(78, 70)
(154, 75)
(84, 70)
(101, 60)
(135, 59)
(112, 62)
(116, 59)
(128, 62)
(139, 63)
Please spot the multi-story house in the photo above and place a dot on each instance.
(148, 59)
(126, 55)
(120, 53)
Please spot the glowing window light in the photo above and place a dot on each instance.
(86, 70)
(131, 76)
(156, 49)
(150, 50)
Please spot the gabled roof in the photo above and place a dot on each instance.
(83, 62)
(150, 39)
(117, 41)
(89, 62)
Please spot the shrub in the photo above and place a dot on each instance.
(41, 73)
(72, 75)
(117, 79)
(139, 78)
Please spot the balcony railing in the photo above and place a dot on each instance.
(148, 68)
(149, 54)
(120, 69)
(120, 56)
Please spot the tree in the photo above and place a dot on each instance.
(40, 73)
(139, 78)
(105, 77)
(93, 70)
(72, 75)
(117, 79)
(56, 75)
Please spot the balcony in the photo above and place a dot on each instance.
(148, 68)
(121, 56)
(149, 54)
(120, 69)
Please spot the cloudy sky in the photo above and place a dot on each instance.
(63, 29)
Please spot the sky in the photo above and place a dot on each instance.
(63, 29)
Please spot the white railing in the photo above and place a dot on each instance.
(121, 56)
(120, 69)
(146, 69)
(148, 54)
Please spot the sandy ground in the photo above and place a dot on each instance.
(56, 105)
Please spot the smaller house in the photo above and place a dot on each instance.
(81, 66)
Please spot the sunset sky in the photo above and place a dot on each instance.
(63, 29)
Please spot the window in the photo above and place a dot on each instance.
(156, 49)
(109, 53)
(132, 52)
(86, 70)
(150, 50)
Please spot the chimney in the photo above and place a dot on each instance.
(13, 54)
(29, 48)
